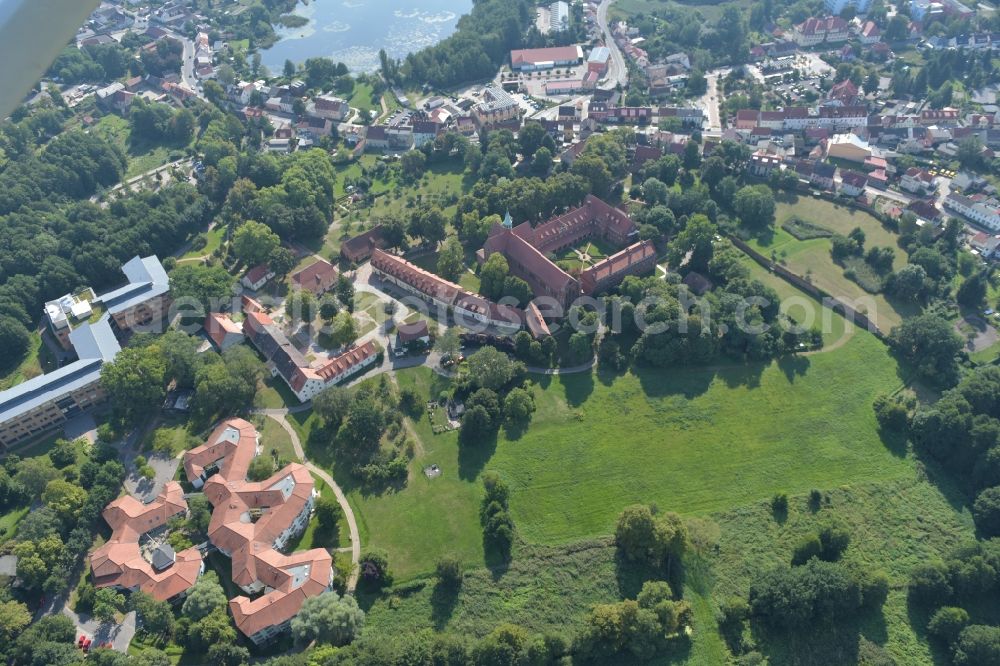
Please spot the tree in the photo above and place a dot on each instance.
(328, 512)
(107, 604)
(449, 571)
(135, 382)
(692, 155)
(972, 291)
(490, 368)
(542, 162)
(205, 598)
(908, 283)
(14, 341)
(261, 467)
(986, 510)
(364, 423)
(331, 405)
(654, 191)
(644, 536)
(289, 69)
(34, 474)
(492, 275)
(593, 169)
(282, 261)
(213, 629)
(947, 623)
(224, 654)
(451, 260)
(697, 238)
(206, 286)
(301, 307)
(14, 618)
(516, 288)
(518, 406)
(977, 644)
(754, 205)
(413, 163)
(930, 344)
(345, 292)
(65, 498)
(254, 243)
(328, 618)
(374, 566)
(449, 342)
(343, 329)
(529, 138)
(156, 616)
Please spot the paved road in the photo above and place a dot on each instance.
(617, 71)
(711, 100)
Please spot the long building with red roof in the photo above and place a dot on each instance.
(137, 555)
(285, 361)
(252, 521)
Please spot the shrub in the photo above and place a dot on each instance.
(807, 549)
(779, 504)
(449, 571)
(947, 623)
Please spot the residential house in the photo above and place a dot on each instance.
(360, 247)
(223, 331)
(318, 277)
(257, 277)
(852, 183)
(330, 107)
(977, 208)
(918, 181)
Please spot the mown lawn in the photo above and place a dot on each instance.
(213, 241)
(9, 521)
(429, 518)
(37, 361)
(811, 258)
(273, 436)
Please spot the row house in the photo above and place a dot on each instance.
(984, 211)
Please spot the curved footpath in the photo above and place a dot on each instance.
(352, 524)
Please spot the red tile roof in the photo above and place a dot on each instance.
(218, 325)
(552, 54)
(247, 519)
(318, 277)
(120, 560)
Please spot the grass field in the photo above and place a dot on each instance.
(273, 436)
(361, 98)
(213, 239)
(9, 521)
(141, 156)
(37, 361)
(811, 258)
(710, 10)
(700, 440)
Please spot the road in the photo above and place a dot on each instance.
(187, 63)
(617, 71)
(711, 100)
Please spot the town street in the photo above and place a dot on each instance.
(617, 71)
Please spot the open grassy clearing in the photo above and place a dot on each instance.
(361, 98)
(273, 393)
(9, 521)
(710, 10)
(274, 437)
(37, 361)
(213, 241)
(700, 440)
(803, 309)
(142, 156)
(811, 258)
(894, 525)
(430, 517)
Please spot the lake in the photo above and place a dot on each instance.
(353, 31)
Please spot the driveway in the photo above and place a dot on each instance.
(164, 466)
(119, 635)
